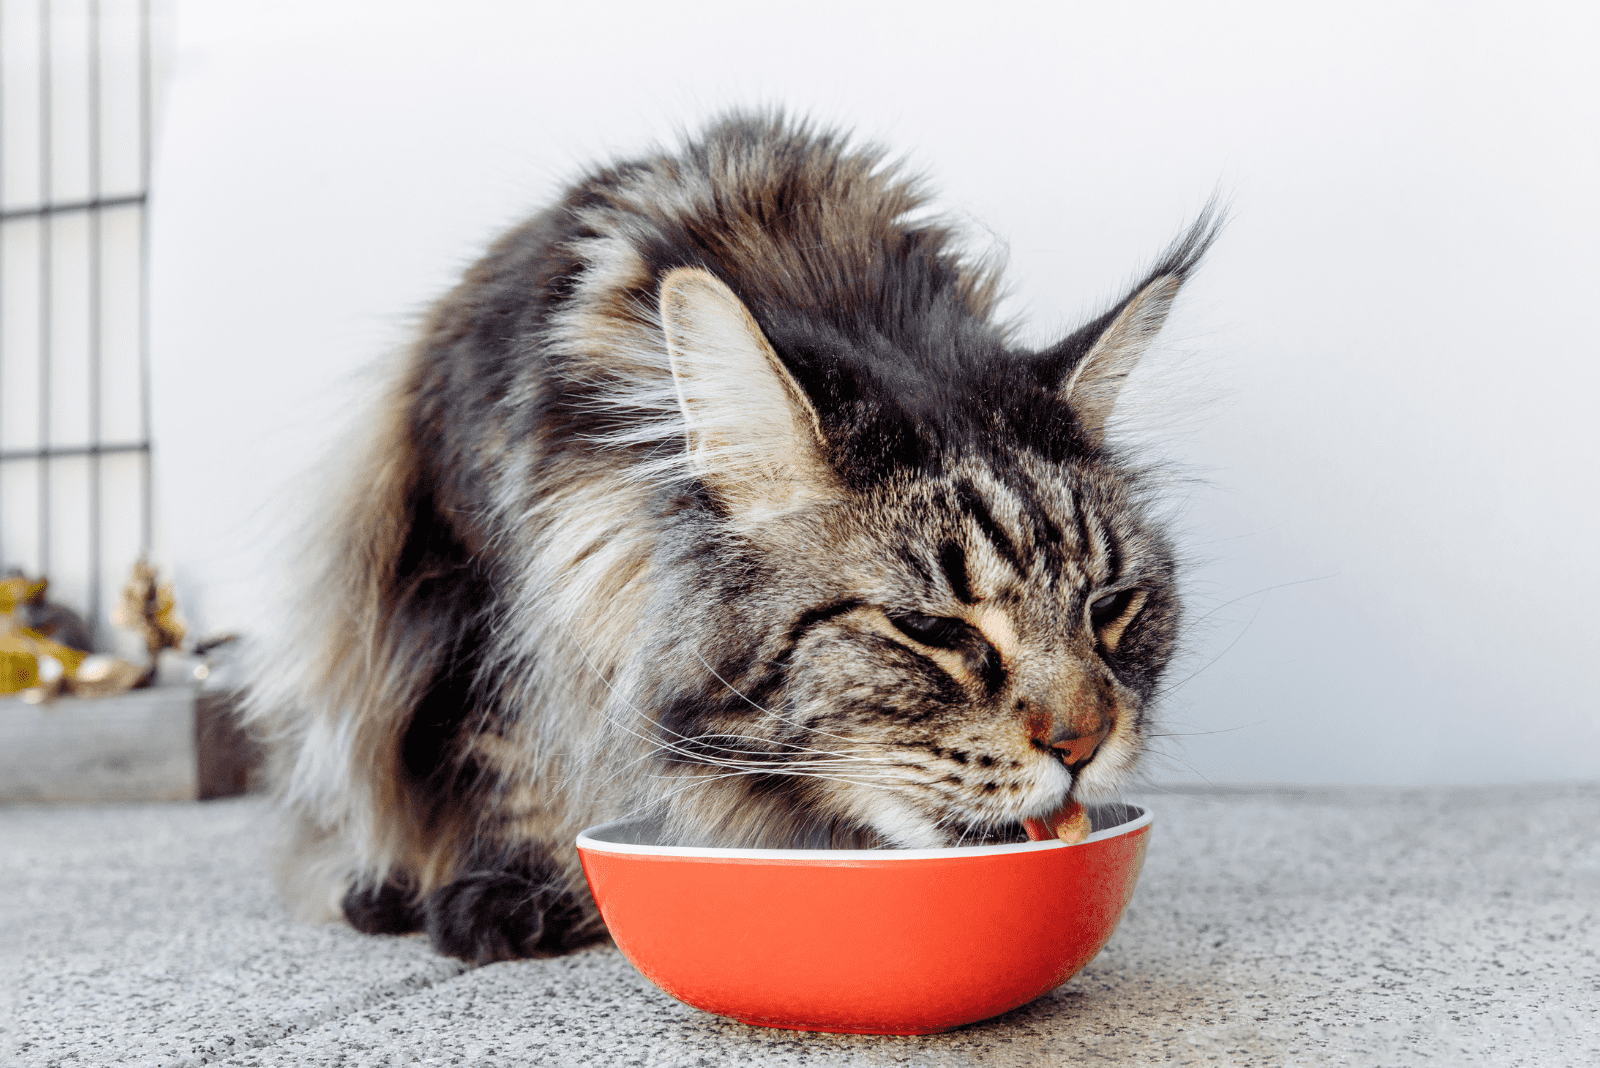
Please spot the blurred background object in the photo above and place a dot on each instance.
(30, 608)
(86, 726)
(149, 609)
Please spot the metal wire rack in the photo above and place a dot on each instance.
(75, 133)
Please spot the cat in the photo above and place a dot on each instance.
(716, 491)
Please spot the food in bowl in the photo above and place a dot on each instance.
(868, 941)
(1070, 823)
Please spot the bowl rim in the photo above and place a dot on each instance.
(593, 839)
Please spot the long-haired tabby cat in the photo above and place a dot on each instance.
(716, 491)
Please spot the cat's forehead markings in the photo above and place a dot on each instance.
(984, 511)
(992, 556)
(995, 624)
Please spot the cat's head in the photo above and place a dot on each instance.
(919, 598)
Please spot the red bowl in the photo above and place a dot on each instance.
(866, 941)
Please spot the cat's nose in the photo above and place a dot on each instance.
(1076, 747)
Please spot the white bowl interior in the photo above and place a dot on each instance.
(642, 835)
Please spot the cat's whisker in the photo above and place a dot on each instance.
(1161, 754)
(724, 772)
(760, 708)
(1201, 734)
(626, 703)
(1166, 692)
(689, 758)
(1264, 589)
(687, 783)
(693, 748)
(695, 757)
(607, 683)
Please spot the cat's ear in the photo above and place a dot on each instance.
(753, 437)
(1095, 379)
(1095, 361)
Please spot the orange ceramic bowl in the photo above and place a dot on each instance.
(900, 942)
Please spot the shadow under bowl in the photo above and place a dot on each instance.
(864, 941)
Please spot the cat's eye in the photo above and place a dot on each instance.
(941, 632)
(1104, 611)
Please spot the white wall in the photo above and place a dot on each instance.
(1383, 380)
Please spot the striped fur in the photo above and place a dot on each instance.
(715, 491)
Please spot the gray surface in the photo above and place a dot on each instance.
(136, 746)
(1359, 927)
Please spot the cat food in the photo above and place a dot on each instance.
(1070, 823)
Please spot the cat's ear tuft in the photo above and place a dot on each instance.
(752, 435)
(1092, 386)
(1095, 361)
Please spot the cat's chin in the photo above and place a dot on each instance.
(903, 824)
(903, 827)
(907, 829)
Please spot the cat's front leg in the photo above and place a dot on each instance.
(390, 909)
(523, 909)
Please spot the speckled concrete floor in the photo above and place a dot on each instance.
(1357, 927)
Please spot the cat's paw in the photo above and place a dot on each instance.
(485, 916)
(387, 909)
